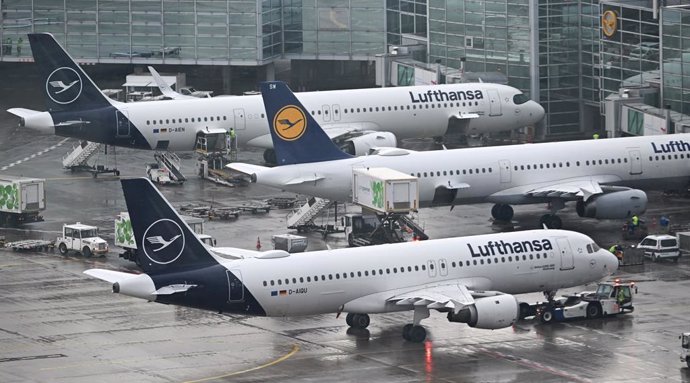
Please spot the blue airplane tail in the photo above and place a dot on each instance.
(66, 85)
(164, 241)
(297, 137)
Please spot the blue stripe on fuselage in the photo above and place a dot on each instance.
(100, 125)
(212, 291)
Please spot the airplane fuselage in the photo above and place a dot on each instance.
(408, 112)
(506, 174)
(354, 281)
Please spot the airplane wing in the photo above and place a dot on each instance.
(452, 185)
(568, 189)
(453, 297)
(111, 276)
(465, 116)
(165, 88)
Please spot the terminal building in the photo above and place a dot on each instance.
(595, 65)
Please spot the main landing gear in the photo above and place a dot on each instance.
(412, 332)
(504, 212)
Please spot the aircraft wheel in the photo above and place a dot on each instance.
(546, 316)
(593, 310)
(417, 334)
(62, 248)
(360, 321)
(348, 319)
(406, 331)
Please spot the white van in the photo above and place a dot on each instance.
(660, 247)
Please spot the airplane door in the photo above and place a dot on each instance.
(239, 119)
(635, 161)
(567, 261)
(336, 112)
(431, 268)
(443, 267)
(504, 166)
(235, 286)
(326, 113)
(494, 103)
(122, 121)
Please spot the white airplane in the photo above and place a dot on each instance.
(599, 175)
(469, 279)
(358, 118)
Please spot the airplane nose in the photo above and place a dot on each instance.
(538, 112)
(610, 261)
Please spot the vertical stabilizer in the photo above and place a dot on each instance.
(66, 85)
(297, 137)
(164, 241)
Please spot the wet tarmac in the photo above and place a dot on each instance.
(58, 325)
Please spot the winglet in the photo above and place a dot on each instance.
(297, 137)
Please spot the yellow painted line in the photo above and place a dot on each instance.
(294, 350)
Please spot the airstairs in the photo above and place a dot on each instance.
(171, 162)
(303, 218)
(412, 225)
(80, 154)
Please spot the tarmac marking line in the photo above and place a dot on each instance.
(295, 349)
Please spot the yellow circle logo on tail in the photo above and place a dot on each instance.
(290, 123)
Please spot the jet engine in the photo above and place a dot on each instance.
(491, 313)
(359, 146)
(616, 205)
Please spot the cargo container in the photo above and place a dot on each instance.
(21, 200)
(385, 190)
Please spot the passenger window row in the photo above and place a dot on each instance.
(451, 172)
(401, 270)
(663, 157)
(396, 108)
(186, 120)
(553, 165)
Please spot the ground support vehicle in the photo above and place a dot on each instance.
(610, 298)
(81, 238)
(21, 200)
(375, 229)
(659, 247)
(210, 212)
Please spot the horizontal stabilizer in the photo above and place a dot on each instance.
(111, 276)
(22, 112)
(245, 168)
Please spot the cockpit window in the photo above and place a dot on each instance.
(589, 249)
(595, 247)
(520, 99)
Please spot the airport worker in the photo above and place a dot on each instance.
(19, 46)
(635, 221)
(227, 142)
(233, 139)
(664, 223)
(595, 136)
(620, 297)
(8, 46)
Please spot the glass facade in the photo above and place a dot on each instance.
(676, 58)
(629, 47)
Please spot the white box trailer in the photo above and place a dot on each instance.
(385, 190)
(289, 242)
(21, 200)
(683, 242)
